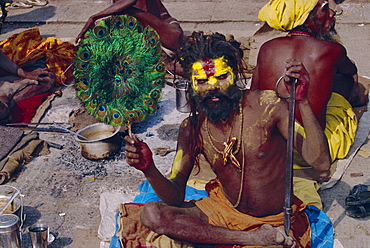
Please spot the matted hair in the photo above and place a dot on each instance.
(200, 46)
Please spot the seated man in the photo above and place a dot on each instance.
(148, 12)
(17, 84)
(333, 76)
(243, 135)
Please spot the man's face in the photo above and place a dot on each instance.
(214, 88)
(211, 74)
(324, 17)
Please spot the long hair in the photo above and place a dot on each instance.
(200, 46)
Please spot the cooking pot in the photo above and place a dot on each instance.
(103, 141)
(16, 206)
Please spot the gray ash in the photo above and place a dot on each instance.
(72, 159)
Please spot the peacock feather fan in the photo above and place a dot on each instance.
(118, 71)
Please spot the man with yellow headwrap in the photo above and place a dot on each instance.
(333, 89)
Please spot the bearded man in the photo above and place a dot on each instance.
(333, 77)
(243, 135)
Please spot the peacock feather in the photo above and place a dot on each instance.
(118, 71)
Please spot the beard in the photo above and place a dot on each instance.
(220, 110)
(330, 35)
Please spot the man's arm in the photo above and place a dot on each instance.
(7, 65)
(168, 29)
(115, 8)
(171, 191)
(156, 16)
(313, 147)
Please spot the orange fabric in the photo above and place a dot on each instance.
(29, 46)
(131, 232)
(220, 213)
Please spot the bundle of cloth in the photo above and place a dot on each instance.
(31, 69)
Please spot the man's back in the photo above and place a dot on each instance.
(322, 59)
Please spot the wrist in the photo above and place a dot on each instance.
(148, 170)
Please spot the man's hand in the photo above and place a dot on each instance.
(138, 153)
(295, 69)
(39, 74)
(88, 25)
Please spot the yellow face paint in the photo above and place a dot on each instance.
(176, 164)
(209, 73)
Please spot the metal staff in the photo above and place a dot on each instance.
(289, 159)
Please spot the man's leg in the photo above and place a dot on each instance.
(188, 223)
(353, 91)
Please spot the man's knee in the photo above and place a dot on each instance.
(152, 216)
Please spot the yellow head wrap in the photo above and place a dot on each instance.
(286, 14)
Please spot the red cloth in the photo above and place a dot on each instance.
(24, 111)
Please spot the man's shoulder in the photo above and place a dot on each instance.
(262, 97)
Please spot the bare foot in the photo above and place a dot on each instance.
(267, 235)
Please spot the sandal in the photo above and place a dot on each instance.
(21, 5)
(37, 2)
(358, 211)
(359, 195)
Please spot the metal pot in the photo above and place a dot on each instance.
(10, 235)
(16, 206)
(103, 141)
(182, 96)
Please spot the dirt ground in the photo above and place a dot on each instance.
(63, 189)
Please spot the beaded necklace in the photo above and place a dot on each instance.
(227, 153)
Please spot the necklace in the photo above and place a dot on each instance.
(298, 33)
(227, 153)
(241, 183)
(218, 141)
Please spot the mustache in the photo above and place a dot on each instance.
(217, 94)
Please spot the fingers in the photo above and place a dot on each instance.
(283, 239)
(132, 140)
(132, 157)
(294, 68)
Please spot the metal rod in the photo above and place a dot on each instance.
(41, 129)
(289, 159)
(35, 123)
(66, 129)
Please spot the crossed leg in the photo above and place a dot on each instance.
(188, 223)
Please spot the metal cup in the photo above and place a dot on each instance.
(182, 96)
(39, 235)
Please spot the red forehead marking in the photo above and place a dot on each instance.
(209, 67)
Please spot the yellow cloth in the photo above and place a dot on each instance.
(286, 14)
(220, 213)
(29, 46)
(306, 191)
(340, 130)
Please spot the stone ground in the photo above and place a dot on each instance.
(62, 189)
